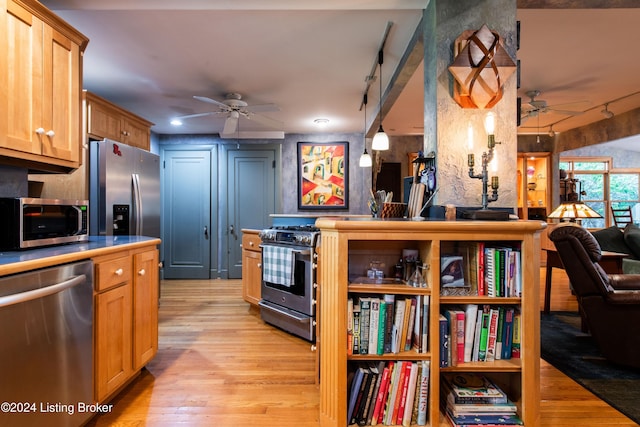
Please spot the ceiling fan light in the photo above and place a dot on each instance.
(380, 140)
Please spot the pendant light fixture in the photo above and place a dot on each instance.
(365, 158)
(380, 140)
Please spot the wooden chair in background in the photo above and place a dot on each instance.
(622, 217)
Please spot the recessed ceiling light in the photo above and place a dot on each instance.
(321, 122)
(176, 122)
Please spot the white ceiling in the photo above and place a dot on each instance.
(312, 58)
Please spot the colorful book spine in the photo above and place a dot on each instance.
(382, 328)
(374, 323)
(365, 313)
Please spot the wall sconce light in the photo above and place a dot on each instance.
(365, 158)
(380, 139)
(480, 68)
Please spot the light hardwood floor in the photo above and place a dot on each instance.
(219, 365)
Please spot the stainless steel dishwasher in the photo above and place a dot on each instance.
(46, 346)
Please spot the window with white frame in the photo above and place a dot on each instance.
(603, 187)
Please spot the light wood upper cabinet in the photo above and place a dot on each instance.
(40, 64)
(106, 120)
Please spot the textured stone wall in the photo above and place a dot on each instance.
(451, 18)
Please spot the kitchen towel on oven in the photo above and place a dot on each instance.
(277, 264)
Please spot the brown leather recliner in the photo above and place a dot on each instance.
(610, 303)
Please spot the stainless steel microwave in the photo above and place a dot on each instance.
(31, 222)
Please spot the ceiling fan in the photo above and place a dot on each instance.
(234, 107)
(539, 106)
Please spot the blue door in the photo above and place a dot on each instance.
(251, 197)
(186, 218)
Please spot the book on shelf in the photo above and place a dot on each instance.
(455, 409)
(365, 317)
(383, 391)
(499, 334)
(455, 320)
(398, 323)
(361, 395)
(424, 341)
(412, 305)
(356, 383)
(471, 387)
(382, 328)
(374, 323)
(363, 417)
(490, 354)
(389, 301)
(517, 331)
(393, 392)
(409, 406)
(399, 391)
(444, 341)
(484, 420)
(405, 324)
(423, 393)
(484, 333)
(350, 326)
(356, 329)
(507, 333)
(471, 314)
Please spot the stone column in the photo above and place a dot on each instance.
(446, 122)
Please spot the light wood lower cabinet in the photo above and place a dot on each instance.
(251, 266)
(145, 307)
(126, 318)
(113, 339)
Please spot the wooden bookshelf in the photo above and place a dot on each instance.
(348, 245)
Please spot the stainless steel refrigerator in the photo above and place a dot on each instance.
(124, 190)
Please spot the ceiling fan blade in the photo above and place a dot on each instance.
(191, 116)
(262, 108)
(568, 113)
(231, 124)
(211, 101)
(267, 121)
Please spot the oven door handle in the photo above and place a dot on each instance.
(303, 252)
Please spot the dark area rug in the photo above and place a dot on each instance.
(574, 353)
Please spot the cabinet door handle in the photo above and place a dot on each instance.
(51, 134)
(40, 131)
(142, 272)
(251, 243)
(119, 272)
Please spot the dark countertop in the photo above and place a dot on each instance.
(19, 261)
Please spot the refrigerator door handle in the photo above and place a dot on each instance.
(137, 199)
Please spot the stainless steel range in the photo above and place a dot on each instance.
(289, 278)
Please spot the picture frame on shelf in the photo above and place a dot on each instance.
(323, 175)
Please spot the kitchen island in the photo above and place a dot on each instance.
(125, 302)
